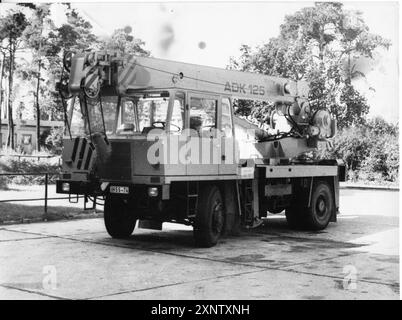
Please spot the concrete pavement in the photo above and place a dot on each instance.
(356, 258)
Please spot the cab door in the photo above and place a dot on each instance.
(203, 144)
(229, 149)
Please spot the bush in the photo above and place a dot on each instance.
(12, 164)
(54, 140)
(371, 152)
(353, 146)
(382, 163)
(3, 183)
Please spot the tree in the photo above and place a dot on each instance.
(2, 63)
(324, 45)
(37, 37)
(123, 41)
(76, 35)
(11, 29)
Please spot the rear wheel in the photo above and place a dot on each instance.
(318, 215)
(210, 218)
(119, 217)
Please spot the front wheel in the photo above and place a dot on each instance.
(210, 217)
(119, 217)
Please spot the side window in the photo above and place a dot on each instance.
(203, 115)
(227, 127)
(177, 121)
(128, 116)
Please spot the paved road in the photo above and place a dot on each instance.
(356, 258)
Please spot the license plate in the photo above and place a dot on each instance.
(118, 189)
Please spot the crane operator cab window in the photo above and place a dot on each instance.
(143, 112)
(203, 116)
(177, 119)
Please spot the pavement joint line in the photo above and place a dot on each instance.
(206, 259)
(32, 291)
(175, 284)
(320, 260)
(22, 239)
(340, 278)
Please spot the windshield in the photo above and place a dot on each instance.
(141, 114)
(109, 107)
(135, 114)
(81, 125)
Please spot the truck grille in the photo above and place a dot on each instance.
(118, 166)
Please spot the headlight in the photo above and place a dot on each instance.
(65, 187)
(153, 192)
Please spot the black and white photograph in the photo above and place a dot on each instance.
(216, 153)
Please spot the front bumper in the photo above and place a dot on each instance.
(78, 187)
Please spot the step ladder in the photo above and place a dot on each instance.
(192, 191)
(248, 202)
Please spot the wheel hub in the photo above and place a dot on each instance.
(321, 206)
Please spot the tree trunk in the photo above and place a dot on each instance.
(38, 108)
(10, 137)
(3, 61)
(349, 81)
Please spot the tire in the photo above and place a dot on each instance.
(210, 218)
(119, 217)
(317, 216)
(322, 207)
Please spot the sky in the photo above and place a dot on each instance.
(209, 33)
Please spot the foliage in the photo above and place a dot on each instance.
(123, 41)
(13, 164)
(39, 37)
(370, 152)
(76, 35)
(325, 45)
(354, 109)
(12, 26)
(353, 145)
(380, 127)
(3, 183)
(54, 140)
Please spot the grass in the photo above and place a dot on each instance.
(58, 209)
(20, 213)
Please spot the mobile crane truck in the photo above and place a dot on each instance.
(159, 142)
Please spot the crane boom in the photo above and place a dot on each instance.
(130, 73)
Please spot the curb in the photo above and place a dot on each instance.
(41, 219)
(367, 187)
